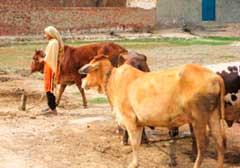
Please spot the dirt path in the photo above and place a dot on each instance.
(87, 138)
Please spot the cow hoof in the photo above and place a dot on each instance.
(173, 163)
(173, 132)
(119, 130)
(85, 106)
(144, 141)
(193, 158)
(133, 165)
(125, 142)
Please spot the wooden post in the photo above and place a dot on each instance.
(23, 102)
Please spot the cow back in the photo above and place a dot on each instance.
(176, 90)
(76, 57)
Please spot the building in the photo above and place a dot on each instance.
(197, 12)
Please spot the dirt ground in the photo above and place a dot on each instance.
(87, 138)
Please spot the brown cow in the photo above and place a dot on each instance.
(138, 61)
(75, 58)
(170, 98)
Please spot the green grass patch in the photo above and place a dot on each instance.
(223, 38)
(17, 58)
(98, 100)
(158, 42)
(189, 42)
(142, 42)
(228, 57)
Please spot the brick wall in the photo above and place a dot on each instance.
(62, 3)
(116, 3)
(27, 20)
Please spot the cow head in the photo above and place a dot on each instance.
(97, 72)
(232, 108)
(37, 66)
(134, 59)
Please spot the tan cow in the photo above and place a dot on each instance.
(169, 98)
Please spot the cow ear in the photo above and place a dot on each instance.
(121, 60)
(43, 54)
(88, 68)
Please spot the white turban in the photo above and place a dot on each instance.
(55, 48)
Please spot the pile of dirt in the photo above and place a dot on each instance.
(4, 79)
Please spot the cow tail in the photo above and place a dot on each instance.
(222, 110)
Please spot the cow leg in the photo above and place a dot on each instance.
(144, 139)
(61, 90)
(199, 129)
(79, 85)
(218, 135)
(135, 134)
(125, 137)
(173, 132)
(194, 144)
(172, 152)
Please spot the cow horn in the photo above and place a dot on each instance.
(84, 69)
(88, 68)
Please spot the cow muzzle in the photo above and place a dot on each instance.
(229, 123)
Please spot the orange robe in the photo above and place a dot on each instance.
(48, 78)
(51, 72)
